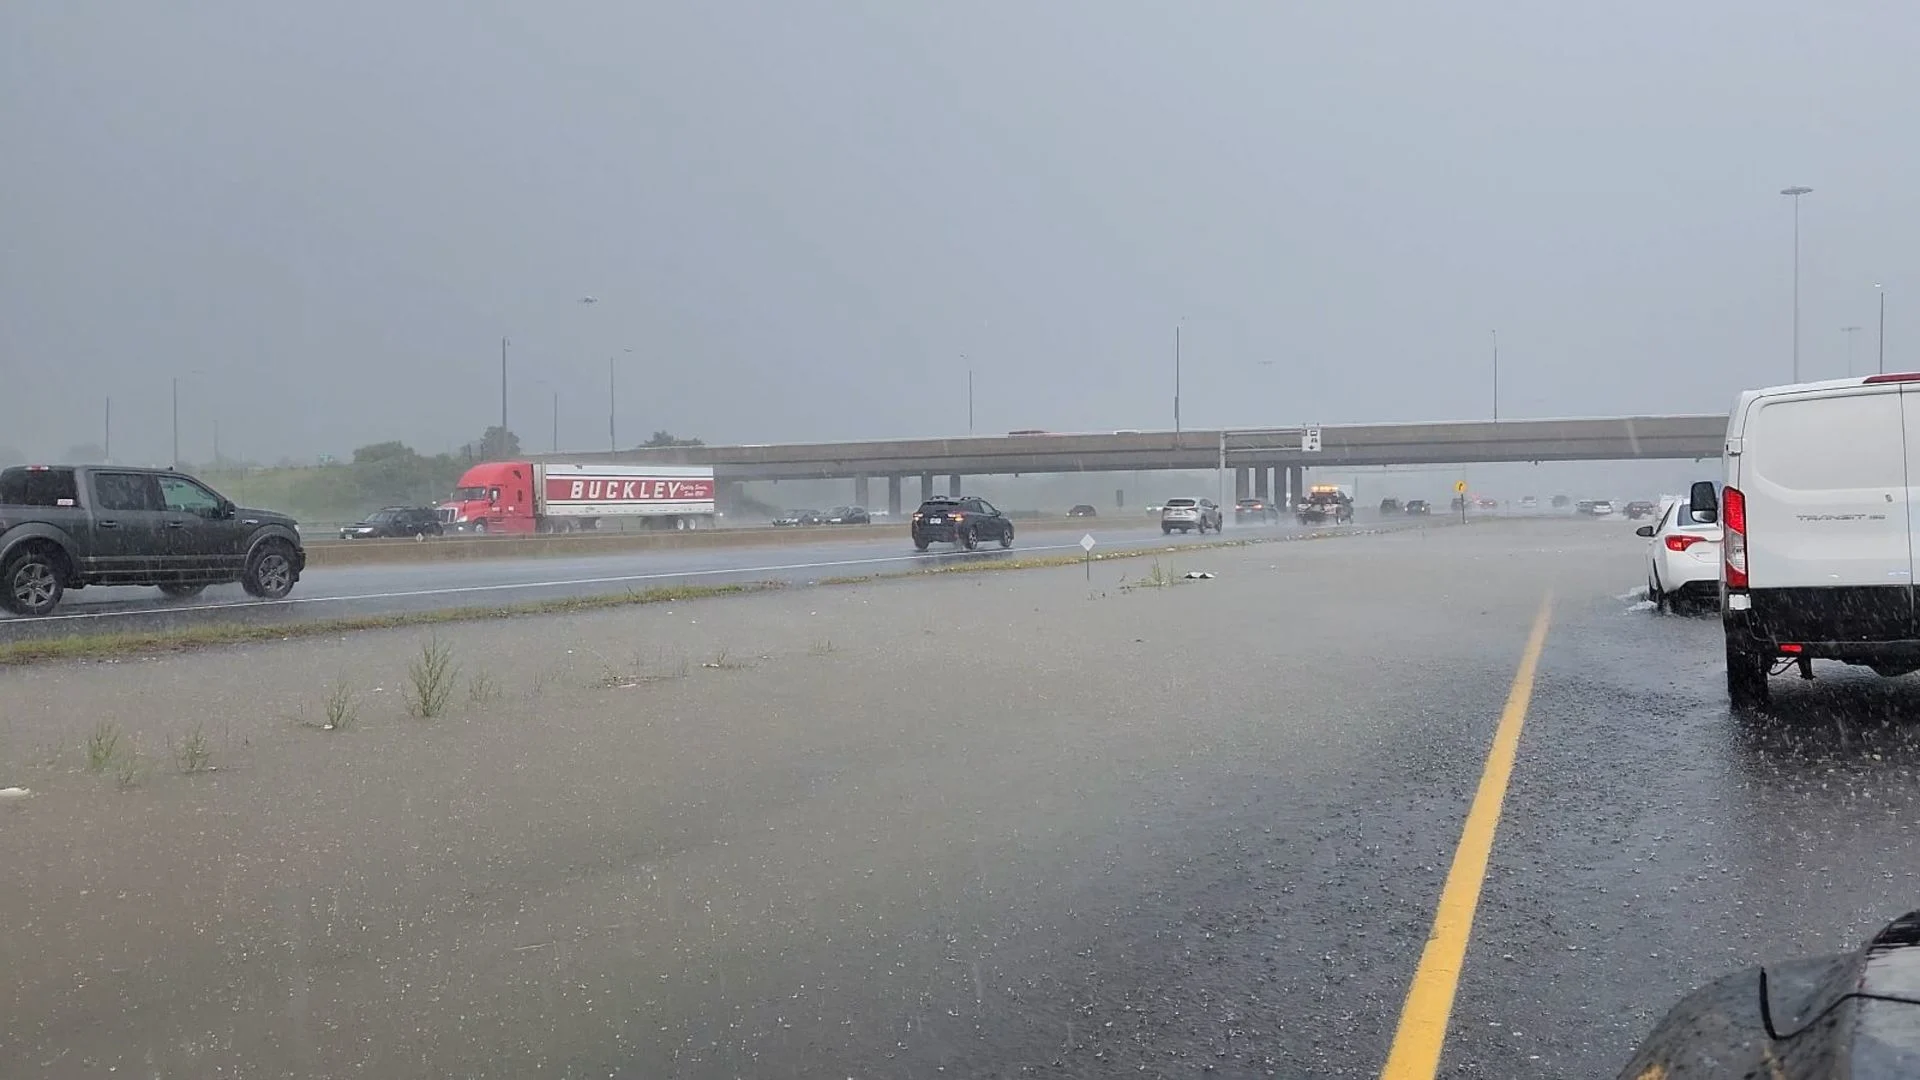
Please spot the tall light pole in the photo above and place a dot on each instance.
(1176, 382)
(108, 449)
(1849, 331)
(503, 389)
(1883, 326)
(1794, 193)
(176, 421)
(963, 357)
(1496, 374)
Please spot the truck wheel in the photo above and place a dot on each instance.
(1746, 677)
(32, 582)
(182, 591)
(480, 528)
(269, 573)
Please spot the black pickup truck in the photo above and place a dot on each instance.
(67, 527)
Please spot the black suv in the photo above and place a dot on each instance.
(964, 521)
(68, 527)
(395, 521)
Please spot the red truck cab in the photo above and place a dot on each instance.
(494, 497)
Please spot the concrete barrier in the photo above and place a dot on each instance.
(326, 553)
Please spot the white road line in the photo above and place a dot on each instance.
(557, 584)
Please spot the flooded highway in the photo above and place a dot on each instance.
(991, 825)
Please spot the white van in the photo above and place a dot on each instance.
(1818, 551)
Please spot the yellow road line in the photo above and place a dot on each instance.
(1423, 1020)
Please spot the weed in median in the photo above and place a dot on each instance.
(194, 754)
(127, 775)
(723, 661)
(103, 746)
(482, 689)
(430, 679)
(342, 711)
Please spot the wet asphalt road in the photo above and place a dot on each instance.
(326, 593)
(1000, 826)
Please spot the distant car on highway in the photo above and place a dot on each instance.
(1601, 508)
(1187, 515)
(1528, 502)
(849, 515)
(1419, 506)
(1256, 510)
(1389, 506)
(1640, 508)
(67, 527)
(965, 521)
(1683, 557)
(1083, 510)
(395, 521)
(794, 518)
(1560, 502)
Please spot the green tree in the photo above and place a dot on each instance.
(668, 438)
(498, 444)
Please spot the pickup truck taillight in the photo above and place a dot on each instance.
(1733, 519)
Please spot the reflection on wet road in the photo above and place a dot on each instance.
(970, 825)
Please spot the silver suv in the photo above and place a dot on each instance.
(1190, 514)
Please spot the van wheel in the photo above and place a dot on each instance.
(269, 573)
(32, 583)
(1747, 673)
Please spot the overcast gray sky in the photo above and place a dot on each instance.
(800, 215)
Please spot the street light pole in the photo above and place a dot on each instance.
(176, 421)
(1794, 193)
(1176, 382)
(556, 421)
(109, 446)
(1883, 326)
(1849, 331)
(613, 445)
(969, 400)
(1496, 375)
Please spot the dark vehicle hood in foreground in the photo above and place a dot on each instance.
(266, 517)
(1853, 1015)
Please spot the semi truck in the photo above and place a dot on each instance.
(521, 498)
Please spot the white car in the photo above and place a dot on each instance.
(1601, 507)
(1683, 558)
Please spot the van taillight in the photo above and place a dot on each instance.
(1734, 521)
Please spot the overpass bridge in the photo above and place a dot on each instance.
(1265, 460)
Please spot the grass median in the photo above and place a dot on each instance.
(148, 643)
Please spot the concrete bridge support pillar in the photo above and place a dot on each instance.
(1262, 488)
(1242, 482)
(953, 485)
(1296, 482)
(860, 491)
(893, 495)
(926, 486)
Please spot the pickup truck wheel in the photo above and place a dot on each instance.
(181, 592)
(32, 583)
(269, 573)
(1747, 673)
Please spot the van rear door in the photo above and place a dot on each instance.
(1825, 474)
